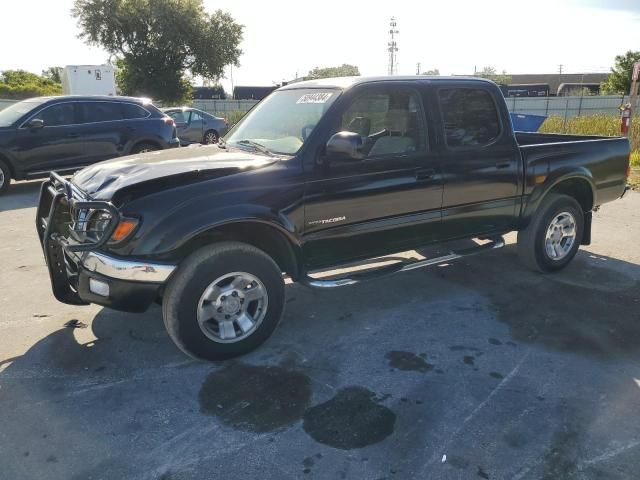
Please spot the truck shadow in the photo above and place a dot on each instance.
(21, 195)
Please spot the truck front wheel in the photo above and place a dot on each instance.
(553, 236)
(223, 301)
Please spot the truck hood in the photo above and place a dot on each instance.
(171, 168)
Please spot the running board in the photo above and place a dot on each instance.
(354, 278)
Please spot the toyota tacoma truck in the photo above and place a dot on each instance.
(319, 175)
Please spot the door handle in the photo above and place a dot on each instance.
(425, 173)
(73, 135)
(503, 165)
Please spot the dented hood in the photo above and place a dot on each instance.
(174, 167)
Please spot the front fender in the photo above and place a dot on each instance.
(181, 227)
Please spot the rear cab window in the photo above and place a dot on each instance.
(470, 117)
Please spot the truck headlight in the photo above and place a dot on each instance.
(90, 226)
(97, 223)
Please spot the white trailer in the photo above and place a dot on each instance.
(89, 80)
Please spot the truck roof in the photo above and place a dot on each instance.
(348, 82)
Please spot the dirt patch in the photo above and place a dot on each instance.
(351, 419)
(407, 361)
(256, 399)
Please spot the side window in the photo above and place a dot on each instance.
(179, 116)
(195, 116)
(131, 111)
(57, 115)
(470, 117)
(390, 122)
(101, 112)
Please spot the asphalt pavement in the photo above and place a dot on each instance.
(476, 369)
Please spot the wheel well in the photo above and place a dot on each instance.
(578, 189)
(6, 161)
(266, 238)
(145, 142)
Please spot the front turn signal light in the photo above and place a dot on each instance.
(124, 229)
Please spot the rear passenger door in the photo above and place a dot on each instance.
(480, 162)
(194, 129)
(102, 130)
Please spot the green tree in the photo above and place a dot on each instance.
(344, 70)
(160, 44)
(20, 84)
(619, 81)
(435, 71)
(53, 73)
(492, 74)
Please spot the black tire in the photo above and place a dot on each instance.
(5, 177)
(196, 273)
(144, 147)
(531, 241)
(210, 137)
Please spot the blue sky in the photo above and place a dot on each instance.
(286, 37)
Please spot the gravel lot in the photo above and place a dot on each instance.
(478, 369)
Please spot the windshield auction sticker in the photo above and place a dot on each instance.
(321, 97)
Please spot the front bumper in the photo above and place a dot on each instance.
(75, 269)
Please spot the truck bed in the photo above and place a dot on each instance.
(534, 138)
(603, 161)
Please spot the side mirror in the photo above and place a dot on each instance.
(35, 123)
(345, 146)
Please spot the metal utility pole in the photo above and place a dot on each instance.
(418, 68)
(560, 68)
(392, 46)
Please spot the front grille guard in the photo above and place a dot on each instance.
(62, 190)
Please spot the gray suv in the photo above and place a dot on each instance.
(196, 126)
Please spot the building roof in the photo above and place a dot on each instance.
(554, 80)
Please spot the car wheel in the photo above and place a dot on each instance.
(224, 300)
(553, 236)
(210, 137)
(5, 177)
(144, 147)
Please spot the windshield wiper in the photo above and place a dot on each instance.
(256, 145)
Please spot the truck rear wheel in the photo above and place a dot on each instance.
(223, 301)
(553, 237)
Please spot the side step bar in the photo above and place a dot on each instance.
(356, 277)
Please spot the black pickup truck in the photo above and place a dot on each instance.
(318, 175)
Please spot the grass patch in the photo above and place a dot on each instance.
(602, 125)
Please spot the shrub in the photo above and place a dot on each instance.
(603, 125)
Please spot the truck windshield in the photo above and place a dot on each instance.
(9, 115)
(283, 121)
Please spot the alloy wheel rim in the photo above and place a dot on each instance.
(232, 307)
(2, 178)
(211, 138)
(560, 236)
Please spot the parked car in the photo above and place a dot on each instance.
(67, 133)
(196, 126)
(318, 175)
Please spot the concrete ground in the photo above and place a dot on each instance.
(478, 369)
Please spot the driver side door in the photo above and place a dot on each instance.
(389, 201)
